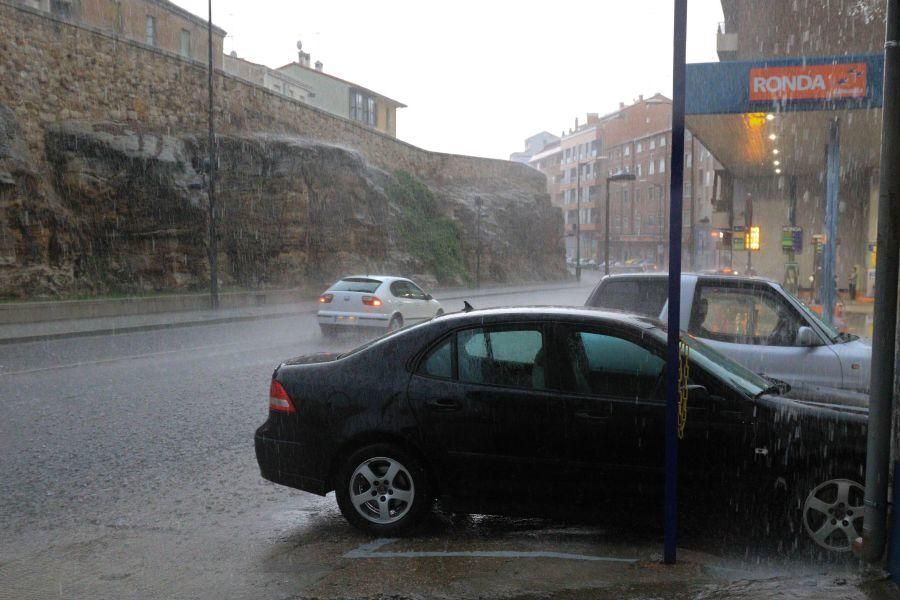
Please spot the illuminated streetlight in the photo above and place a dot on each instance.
(776, 163)
(778, 171)
(770, 117)
(776, 151)
(773, 137)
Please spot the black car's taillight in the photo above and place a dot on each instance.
(279, 401)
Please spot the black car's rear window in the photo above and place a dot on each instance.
(643, 296)
(356, 284)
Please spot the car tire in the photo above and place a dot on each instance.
(382, 489)
(819, 511)
(395, 323)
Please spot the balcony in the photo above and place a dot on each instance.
(726, 43)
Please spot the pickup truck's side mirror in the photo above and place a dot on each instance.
(807, 337)
(428, 297)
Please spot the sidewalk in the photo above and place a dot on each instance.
(47, 330)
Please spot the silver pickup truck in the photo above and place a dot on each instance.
(752, 320)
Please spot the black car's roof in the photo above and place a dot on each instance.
(552, 313)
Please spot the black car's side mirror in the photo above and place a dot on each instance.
(697, 392)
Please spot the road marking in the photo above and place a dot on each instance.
(370, 550)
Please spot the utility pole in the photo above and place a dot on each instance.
(478, 204)
(578, 222)
(673, 353)
(211, 182)
(878, 449)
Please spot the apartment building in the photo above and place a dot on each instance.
(156, 23)
(634, 139)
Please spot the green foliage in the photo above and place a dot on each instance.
(424, 232)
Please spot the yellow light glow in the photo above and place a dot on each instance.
(776, 163)
(778, 171)
(770, 117)
(752, 241)
(772, 136)
(776, 151)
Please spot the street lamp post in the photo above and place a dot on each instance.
(211, 183)
(578, 222)
(611, 178)
(478, 203)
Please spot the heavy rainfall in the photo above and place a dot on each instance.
(266, 332)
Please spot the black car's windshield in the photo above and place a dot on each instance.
(723, 367)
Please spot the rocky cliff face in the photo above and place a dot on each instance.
(111, 209)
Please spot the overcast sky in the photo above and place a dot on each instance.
(478, 76)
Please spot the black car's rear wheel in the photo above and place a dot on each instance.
(382, 489)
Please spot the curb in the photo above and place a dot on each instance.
(234, 319)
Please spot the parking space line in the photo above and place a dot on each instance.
(370, 550)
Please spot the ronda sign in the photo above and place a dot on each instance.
(810, 82)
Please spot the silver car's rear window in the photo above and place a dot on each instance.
(356, 284)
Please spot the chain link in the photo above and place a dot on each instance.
(683, 377)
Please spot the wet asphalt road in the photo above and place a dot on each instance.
(128, 471)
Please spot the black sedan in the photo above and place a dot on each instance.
(503, 410)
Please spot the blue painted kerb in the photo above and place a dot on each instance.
(724, 87)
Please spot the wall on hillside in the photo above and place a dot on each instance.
(100, 139)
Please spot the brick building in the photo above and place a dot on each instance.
(157, 23)
(634, 139)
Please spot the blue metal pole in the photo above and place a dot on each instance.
(829, 252)
(676, 190)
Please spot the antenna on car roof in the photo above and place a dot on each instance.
(467, 307)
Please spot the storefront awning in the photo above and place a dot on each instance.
(752, 115)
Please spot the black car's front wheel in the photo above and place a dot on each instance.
(382, 489)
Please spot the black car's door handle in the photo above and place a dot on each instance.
(444, 404)
(591, 416)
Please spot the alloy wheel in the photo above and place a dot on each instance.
(833, 512)
(382, 490)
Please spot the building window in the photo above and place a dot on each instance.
(185, 43)
(639, 170)
(627, 151)
(151, 31)
(652, 144)
(662, 141)
(61, 8)
(651, 170)
(640, 147)
(362, 108)
(662, 165)
(688, 159)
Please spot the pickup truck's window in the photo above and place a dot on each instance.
(512, 358)
(644, 296)
(743, 315)
(606, 365)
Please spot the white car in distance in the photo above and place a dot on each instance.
(377, 302)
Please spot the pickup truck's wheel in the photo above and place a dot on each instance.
(382, 489)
